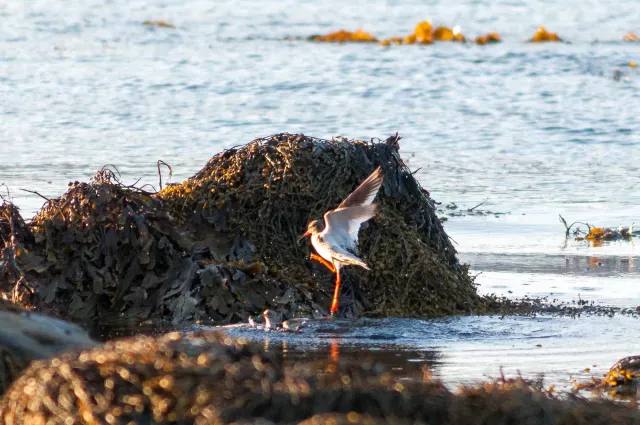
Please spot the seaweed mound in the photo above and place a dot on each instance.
(209, 378)
(270, 189)
(223, 245)
(14, 236)
(102, 248)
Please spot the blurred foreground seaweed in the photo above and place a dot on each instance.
(223, 245)
(26, 336)
(210, 378)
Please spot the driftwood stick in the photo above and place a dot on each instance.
(161, 162)
(471, 209)
(36, 193)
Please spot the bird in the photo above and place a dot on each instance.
(337, 240)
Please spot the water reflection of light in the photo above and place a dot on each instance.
(335, 351)
(594, 261)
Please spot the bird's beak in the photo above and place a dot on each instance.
(307, 233)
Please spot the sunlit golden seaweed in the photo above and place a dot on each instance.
(597, 235)
(343, 36)
(621, 381)
(542, 35)
(448, 34)
(492, 37)
(424, 33)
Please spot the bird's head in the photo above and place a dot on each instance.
(312, 228)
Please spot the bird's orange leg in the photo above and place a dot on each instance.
(324, 262)
(336, 293)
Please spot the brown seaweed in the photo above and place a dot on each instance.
(223, 245)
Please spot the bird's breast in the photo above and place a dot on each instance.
(322, 247)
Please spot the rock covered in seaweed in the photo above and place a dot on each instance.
(268, 190)
(210, 378)
(26, 336)
(222, 246)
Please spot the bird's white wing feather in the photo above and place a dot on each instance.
(366, 192)
(343, 224)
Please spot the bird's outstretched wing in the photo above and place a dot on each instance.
(343, 223)
(366, 192)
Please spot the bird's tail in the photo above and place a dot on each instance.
(352, 260)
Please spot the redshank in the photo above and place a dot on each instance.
(337, 240)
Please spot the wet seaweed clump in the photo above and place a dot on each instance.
(15, 235)
(542, 35)
(621, 381)
(268, 190)
(104, 249)
(210, 378)
(597, 235)
(223, 245)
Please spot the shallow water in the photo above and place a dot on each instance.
(540, 130)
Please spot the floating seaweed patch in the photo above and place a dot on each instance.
(342, 36)
(597, 235)
(542, 35)
(158, 24)
(424, 33)
(448, 34)
(452, 210)
(490, 38)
